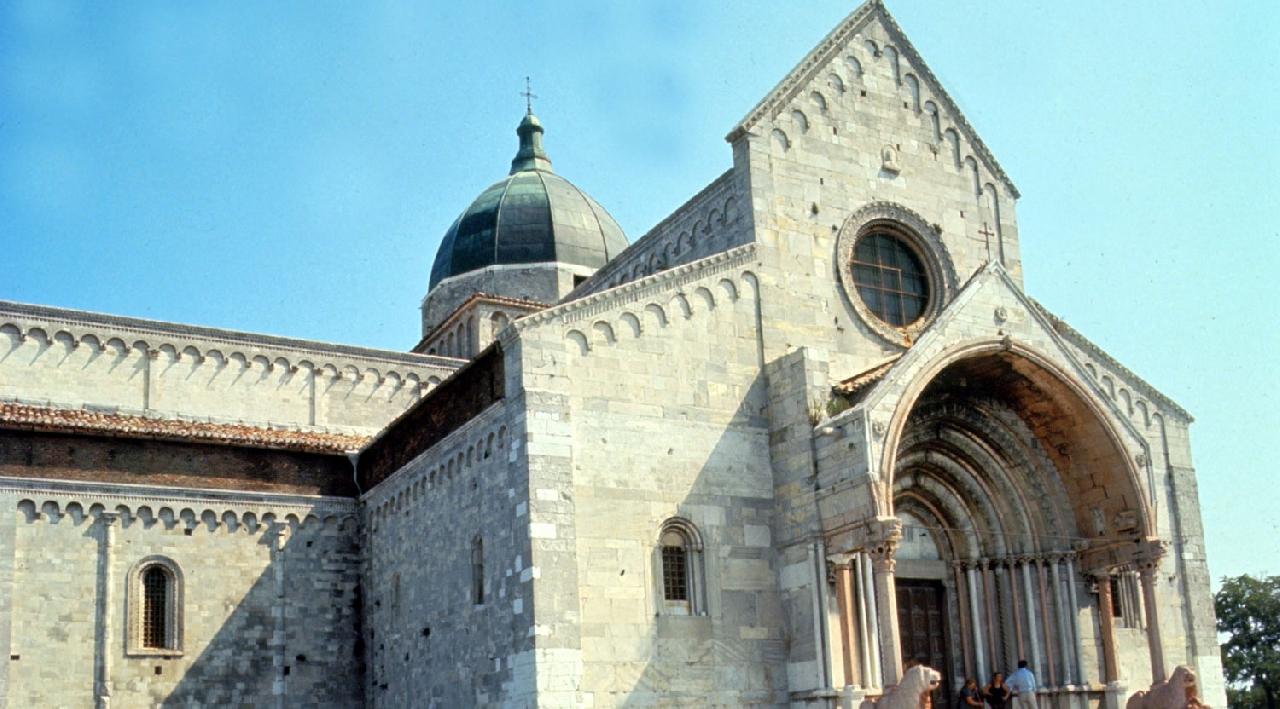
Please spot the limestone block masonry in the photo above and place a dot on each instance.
(73, 359)
(807, 431)
(270, 586)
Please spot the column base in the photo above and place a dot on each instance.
(852, 696)
(1113, 695)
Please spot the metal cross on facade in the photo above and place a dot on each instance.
(987, 233)
(528, 95)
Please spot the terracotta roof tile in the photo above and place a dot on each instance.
(854, 387)
(42, 418)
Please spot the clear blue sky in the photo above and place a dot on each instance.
(289, 168)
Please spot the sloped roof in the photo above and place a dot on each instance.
(29, 417)
(828, 50)
(854, 387)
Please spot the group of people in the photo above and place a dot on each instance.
(1017, 692)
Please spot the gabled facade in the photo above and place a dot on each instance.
(806, 432)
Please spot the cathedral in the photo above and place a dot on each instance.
(806, 433)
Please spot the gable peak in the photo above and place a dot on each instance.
(828, 54)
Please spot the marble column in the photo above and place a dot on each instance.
(848, 625)
(993, 620)
(1017, 611)
(1033, 631)
(1064, 626)
(882, 564)
(871, 625)
(962, 591)
(979, 650)
(1074, 609)
(1047, 621)
(1008, 618)
(1149, 572)
(1107, 624)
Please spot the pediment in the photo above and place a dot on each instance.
(990, 310)
(848, 51)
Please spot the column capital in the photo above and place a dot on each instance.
(1148, 556)
(882, 556)
(883, 535)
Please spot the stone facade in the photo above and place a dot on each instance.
(715, 473)
(270, 610)
(73, 359)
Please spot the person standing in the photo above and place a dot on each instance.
(997, 693)
(1023, 684)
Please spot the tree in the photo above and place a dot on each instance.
(1249, 613)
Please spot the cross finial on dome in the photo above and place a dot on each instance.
(531, 156)
(528, 95)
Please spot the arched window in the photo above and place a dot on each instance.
(154, 593)
(679, 563)
(477, 571)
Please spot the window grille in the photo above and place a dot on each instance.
(155, 611)
(891, 279)
(675, 573)
(153, 590)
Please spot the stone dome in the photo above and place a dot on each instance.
(531, 216)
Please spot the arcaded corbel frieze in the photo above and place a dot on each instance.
(828, 50)
(415, 470)
(686, 227)
(52, 501)
(51, 325)
(645, 288)
(1093, 355)
(799, 77)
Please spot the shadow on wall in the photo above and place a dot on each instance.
(296, 632)
(724, 644)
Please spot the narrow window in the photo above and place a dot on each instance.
(155, 612)
(679, 559)
(477, 571)
(154, 593)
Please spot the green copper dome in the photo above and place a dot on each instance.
(531, 216)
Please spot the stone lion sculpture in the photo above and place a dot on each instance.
(914, 691)
(1177, 692)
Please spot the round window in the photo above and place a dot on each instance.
(890, 278)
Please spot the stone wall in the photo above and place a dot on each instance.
(431, 641)
(537, 282)
(646, 406)
(269, 588)
(712, 221)
(73, 359)
(815, 157)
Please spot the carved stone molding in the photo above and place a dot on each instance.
(923, 238)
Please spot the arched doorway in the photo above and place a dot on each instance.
(1020, 485)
